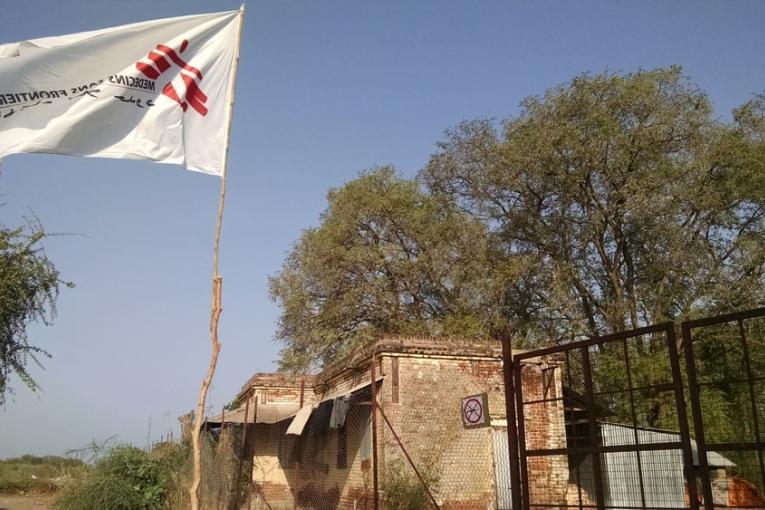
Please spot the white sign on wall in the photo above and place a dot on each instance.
(475, 411)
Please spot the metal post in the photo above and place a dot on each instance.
(750, 376)
(597, 469)
(374, 435)
(246, 426)
(682, 418)
(254, 425)
(512, 425)
(408, 458)
(298, 450)
(525, 496)
(633, 414)
(698, 423)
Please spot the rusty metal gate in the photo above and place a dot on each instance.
(725, 359)
(617, 432)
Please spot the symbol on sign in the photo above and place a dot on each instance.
(473, 410)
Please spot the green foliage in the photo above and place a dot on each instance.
(41, 474)
(102, 492)
(233, 405)
(178, 460)
(47, 460)
(126, 478)
(616, 201)
(723, 369)
(139, 470)
(404, 491)
(387, 258)
(610, 202)
(29, 286)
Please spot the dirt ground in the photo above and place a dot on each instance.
(26, 502)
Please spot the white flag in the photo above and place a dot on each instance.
(157, 90)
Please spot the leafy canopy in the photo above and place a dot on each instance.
(621, 200)
(29, 286)
(610, 202)
(387, 258)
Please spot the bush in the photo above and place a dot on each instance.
(175, 462)
(139, 470)
(403, 490)
(126, 478)
(102, 493)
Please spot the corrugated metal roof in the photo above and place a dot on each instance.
(619, 433)
(302, 416)
(663, 483)
(266, 413)
(278, 411)
(340, 393)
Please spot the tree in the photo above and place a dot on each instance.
(610, 202)
(616, 201)
(29, 286)
(387, 258)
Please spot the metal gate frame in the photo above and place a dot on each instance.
(758, 445)
(517, 429)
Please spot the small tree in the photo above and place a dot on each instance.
(29, 286)
(387, 258)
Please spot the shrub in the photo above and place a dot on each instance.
(403, 490)
(102, 493)
(138, 470)
(126, 478)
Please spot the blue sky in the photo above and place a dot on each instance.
(325, 89)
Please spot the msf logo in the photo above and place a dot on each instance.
(191, 76)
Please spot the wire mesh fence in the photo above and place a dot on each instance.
(225, 469)
(420, 451)
(643, 430)
(726, 368)
(622, 439)
(617, 422)
(327, 465)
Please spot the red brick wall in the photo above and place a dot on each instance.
(428, 420)
(545, 429)
(315, 480)
(427, 417)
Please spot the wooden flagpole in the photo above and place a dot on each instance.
(217, 287)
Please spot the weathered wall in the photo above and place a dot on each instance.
(314, 476)
(428, 420)
(278, 388)
(545, 429)
(422, 398)
(270, 478)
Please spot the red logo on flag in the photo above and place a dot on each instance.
(190, 75)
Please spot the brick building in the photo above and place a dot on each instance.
(326, 461)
